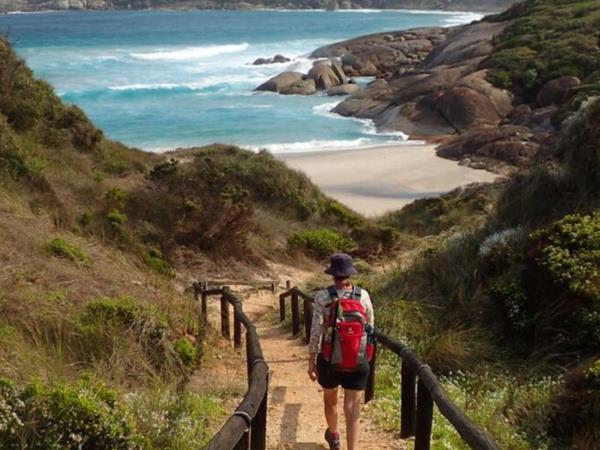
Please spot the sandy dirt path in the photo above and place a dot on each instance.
(295, 418)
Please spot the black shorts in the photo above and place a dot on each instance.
(330, 378)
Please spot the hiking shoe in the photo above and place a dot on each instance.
(333, 439)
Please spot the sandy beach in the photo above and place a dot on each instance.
(376, 180)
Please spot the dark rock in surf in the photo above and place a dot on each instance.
(281, 81)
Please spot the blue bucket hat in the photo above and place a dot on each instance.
(341, 266)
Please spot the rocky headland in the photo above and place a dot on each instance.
(432, 84)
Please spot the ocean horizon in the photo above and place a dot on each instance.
(161, 80)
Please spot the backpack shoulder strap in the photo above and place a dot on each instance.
(356, 293)
(333, 295)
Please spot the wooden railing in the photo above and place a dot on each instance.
(246, 428)
(420, 387)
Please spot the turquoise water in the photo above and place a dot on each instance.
(160, 80)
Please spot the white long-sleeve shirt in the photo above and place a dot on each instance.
(321, 313)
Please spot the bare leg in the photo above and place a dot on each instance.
(352, 404)
(330, 398)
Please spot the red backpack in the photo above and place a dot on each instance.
(345, 344)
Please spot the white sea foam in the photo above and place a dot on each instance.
(191, 53)
(462, 18)
(156, 86)
(324, 145)
(202, 83)
(325, 110)
(364, 11)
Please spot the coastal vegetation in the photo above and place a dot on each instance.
(496, 286)
(504, 302)
(546, 40)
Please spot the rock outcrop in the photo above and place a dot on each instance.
(302, 87)
(493, 148)
(325, 75)
(383, 54)
(277, 59)
(281, 81)
(343, 89)
(556, 91)
(444, 94)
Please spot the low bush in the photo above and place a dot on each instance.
(62, 248)
(164, 170)
(116, 218)
(168, 421)
(105, 324)
(571, 254)
(154, 259)
(320, 243)
(59, 417)
(187, 352)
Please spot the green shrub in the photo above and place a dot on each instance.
(119, 314)
(59, 417)
(116, 218)
(103, 324)
(571, 254)
(61, 248)
(510, 293)
(156, 261)
(116, 198)
(175, 422)
(186, 351)
(164, 170)
(320, 243)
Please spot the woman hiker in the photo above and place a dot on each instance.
(340, 348)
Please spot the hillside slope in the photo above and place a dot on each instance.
(99, 245)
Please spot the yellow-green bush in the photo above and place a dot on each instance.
(320, 243)
(154, 259)
(64, 249)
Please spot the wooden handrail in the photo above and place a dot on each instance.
(421, 389)
(246, 428)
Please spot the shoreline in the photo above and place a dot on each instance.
(376, 180)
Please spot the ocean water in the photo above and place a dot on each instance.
(160, 80)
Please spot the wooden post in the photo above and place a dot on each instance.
(408, 403)
(288, 285)
(225, 328)
(258, 436)
(370, 392)
(424, 418)
(282, 307)
(204, 306)
(307, 319)
(295, 314)
(237, 330)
